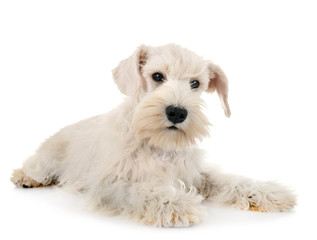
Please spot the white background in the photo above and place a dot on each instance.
(56, 59)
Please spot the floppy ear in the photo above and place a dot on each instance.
(128, 74)
(219, 82)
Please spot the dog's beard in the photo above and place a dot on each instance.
(150, 122)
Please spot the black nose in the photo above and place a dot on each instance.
(176, 114)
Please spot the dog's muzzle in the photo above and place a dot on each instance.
(176, 114)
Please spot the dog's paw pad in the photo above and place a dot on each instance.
(256, 209)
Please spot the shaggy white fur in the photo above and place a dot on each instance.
(137, 160)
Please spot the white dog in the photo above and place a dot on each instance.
(140, 159)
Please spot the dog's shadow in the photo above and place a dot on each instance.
(56, 199)
(224, 216)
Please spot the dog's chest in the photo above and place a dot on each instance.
(172, 163)
(169, 157)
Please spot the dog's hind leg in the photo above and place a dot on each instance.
(20, 179)
(245, 193)
(36, 172)
(43, 168)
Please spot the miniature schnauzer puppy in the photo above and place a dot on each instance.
(140, 160)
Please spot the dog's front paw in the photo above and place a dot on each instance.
(180, 213)
(175, 217)
(271, 197)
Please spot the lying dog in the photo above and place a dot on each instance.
(140, 159)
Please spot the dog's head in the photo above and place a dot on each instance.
(167, 82)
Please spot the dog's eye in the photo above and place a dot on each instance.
(158, 77)
(194, 84)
